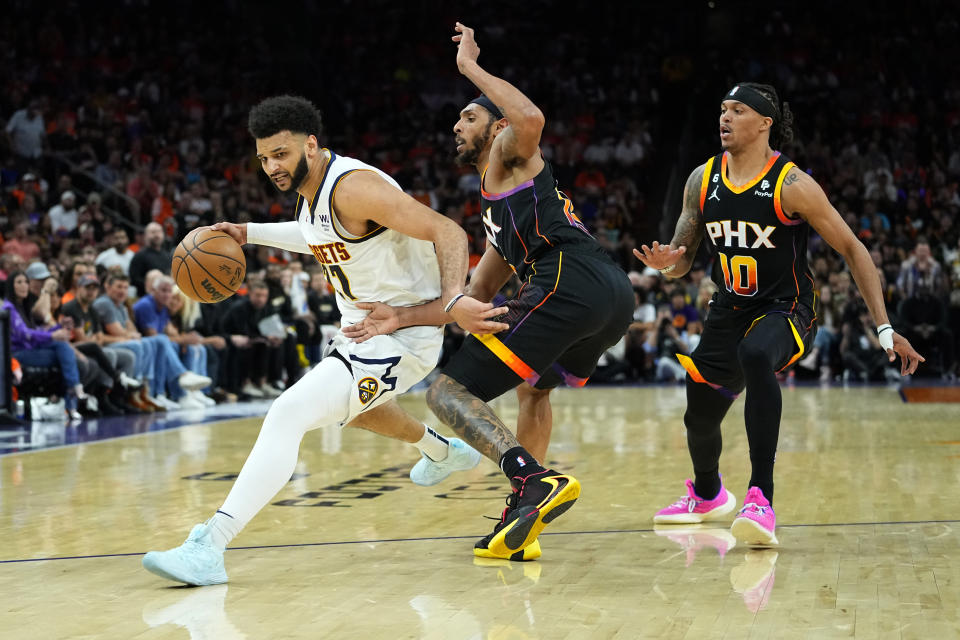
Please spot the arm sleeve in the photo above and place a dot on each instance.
(282, 235)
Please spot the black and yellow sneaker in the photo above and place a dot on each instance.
(528, 553)
(536, 501)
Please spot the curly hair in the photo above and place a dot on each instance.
(284, 113)
(782, 130)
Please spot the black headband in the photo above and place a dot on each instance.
(487, 104)
(753, 99)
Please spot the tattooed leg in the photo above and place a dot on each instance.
(470, 417)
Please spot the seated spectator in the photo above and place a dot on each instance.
(188, 320)
(921, 270)
(860, 351)
(64, 216)
(923, 317)
(39, 306)
(77, 270)
(157, 360)
(323, 319)
(151, 256)
(119, 253)
(21, 244)
(256, 359)
(665, 341)
(117, 364)
(41, 347)
(152, 319)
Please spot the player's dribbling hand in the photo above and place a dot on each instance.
(381, 320)
(478, 317)
(659, 256)
(909, 358)
(236, 231)
(467, 51)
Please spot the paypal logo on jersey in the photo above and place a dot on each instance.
(763, 194)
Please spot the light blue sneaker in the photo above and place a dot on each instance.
(197, 561)
(460, 457)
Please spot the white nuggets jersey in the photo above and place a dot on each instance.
(382, 265)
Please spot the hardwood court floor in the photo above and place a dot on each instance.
(867, 500)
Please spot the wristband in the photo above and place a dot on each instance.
(885, 336)
(667, 270)
(452, 302)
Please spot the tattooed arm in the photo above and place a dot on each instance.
(677, 257)
(470, 418)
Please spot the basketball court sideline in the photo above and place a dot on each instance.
(350, 548)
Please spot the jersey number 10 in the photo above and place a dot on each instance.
(739, 274)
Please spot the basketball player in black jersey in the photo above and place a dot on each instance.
(574, 304)
(755, 207)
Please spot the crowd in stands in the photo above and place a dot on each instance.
(126, 128)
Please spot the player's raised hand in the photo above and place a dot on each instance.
(659, 256)
(236, 231)
(381, 320)
(909, 358)
(467, 51)
(478, 317)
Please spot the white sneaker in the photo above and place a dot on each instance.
(190, 401)
(269, 392)
(190, 381)
(460, 457)
(204, 399)
(129, 383)
(252, 391)
(166, 403)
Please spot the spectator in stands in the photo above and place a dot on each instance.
(27, 133)
(119, 253)
(256, 360)
(923, 317)
(41, 347)
(157, 360)
(40, 293)
(22, 244)
(64, 216)
(120, 364)
(77, 269)
(151, 256)
(921, 271)
(189, 326)
(152, 319)
(324, 316)
(10, 262)
(860, 351)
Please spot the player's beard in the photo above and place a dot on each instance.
(299, 175)
(471, 152)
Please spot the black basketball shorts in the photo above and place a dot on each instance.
(785, 330)
(572, 308)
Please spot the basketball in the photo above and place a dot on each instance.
(208, 265)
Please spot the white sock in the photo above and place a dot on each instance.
(433, 445)
(223, 528)
(320, 398)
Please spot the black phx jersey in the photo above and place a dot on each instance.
(532, 219)
(761, 253)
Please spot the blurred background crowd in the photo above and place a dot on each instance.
(124, 126)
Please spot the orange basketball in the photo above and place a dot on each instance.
(208, 266)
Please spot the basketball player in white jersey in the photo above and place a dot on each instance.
(375, 243)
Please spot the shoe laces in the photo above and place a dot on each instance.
(686, 502)
(754, 507)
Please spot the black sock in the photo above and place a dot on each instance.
(518, 462)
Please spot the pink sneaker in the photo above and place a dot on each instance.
(691, 508)
(756, 521)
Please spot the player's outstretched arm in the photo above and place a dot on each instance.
(802, 196)
(282, 235)
(521, 140)
(674, 260)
